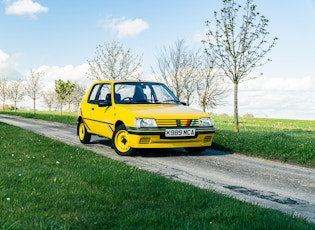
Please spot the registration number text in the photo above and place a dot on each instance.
(179, 132)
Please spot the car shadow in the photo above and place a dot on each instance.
(178, 152)
(101, 141)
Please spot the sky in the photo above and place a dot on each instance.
(58, 37)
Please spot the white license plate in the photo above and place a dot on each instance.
(179, 132)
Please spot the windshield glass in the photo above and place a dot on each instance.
(143, 93)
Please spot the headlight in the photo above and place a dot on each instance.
(206, 121)
(145, 122)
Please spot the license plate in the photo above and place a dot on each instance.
(179, 132)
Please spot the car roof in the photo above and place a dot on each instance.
(123, 81)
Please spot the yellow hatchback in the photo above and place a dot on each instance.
(142, 114)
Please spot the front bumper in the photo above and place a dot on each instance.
(155, 138)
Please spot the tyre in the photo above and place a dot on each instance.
(120, 141)
(84, 136)
(196, 150)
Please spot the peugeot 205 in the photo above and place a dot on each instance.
(142, 114)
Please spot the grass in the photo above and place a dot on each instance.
(66, 117)
(291, 141)
(45, 184)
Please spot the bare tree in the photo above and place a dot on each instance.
(211, 87)
(177, 69)
(16, 92)
(190, 76)
(77, 95)
(112, 62)
(34, 86)
(237, 43)
(50, 98)
(3, 91)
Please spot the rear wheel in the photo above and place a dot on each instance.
(84, 136)
(120, 141)
(195, 150)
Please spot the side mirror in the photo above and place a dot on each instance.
(104, 103)
(183, 103)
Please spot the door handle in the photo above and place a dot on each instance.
(92, 108)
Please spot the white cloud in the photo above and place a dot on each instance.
(280, 83)
(125, 27)
(7, 67)
(280, 97)
(3, 58)
(68, 72)
(24, 7)
(51, 73)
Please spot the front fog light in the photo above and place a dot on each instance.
(145, 122)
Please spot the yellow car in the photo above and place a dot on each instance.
(142, 114)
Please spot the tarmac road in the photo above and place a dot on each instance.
(284, 187)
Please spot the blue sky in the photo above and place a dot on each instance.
(58, 36)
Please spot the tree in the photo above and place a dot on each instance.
(238, 44)
(211, 87)
(112, 62)
(3, 91)
(16, 92)
(177, 68)
(77, 95)
(190, 76)
(33, 86)
(50, 98)
(63, 90)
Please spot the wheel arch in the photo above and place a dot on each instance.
(79, 119)
(118, 123)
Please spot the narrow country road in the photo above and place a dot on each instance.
(288, 188)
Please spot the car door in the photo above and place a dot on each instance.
(88, 109)
(103, 112)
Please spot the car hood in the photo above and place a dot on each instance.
(163, 111)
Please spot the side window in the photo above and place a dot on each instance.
(105, 93)
(92, 97)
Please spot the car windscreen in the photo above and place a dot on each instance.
(143, 93)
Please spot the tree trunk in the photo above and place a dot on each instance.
(236, 127)
(34, 105)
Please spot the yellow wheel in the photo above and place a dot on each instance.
(121, 142)
(84, 136)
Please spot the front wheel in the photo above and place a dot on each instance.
(195, 150)
(84, 136)
(120, 141)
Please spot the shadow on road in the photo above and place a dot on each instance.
(180, 152)
(177, 153)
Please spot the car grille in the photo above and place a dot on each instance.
(177, 123)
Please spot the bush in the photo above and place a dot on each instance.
(248, 115)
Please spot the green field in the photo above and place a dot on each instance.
(291, 141)
(45, 184)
